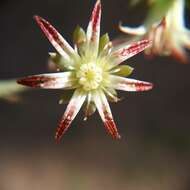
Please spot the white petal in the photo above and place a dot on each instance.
(139, 31)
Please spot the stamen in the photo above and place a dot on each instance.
(90, 76)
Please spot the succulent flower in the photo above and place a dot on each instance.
(169, 36)
(92, 69)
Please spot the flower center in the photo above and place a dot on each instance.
(90, 76)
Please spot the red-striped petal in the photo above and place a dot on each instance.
(73, 108)
(128, 51)
(93, 30)
(106, 115)
(126, 84)
(48, 81)
(60, 44)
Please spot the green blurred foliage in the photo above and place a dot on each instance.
(188, 4)
(157, 9)
(104, 40)
(123, 70)
(9, 90)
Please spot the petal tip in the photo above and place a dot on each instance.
(62, 128)
(139, 31)
(98, 3)
(57, 138)
(145, 87)
(19, 81)
(23, 81)
(150, 86)
(96, 15)
(32, 81)
(117, 137)
(111, 128)
(121, 27)
(37, 18)
(97, 10)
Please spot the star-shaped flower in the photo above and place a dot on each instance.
(170, 36)
(92, 69)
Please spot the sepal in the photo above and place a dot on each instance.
(123, 70)
(60, 62)
(104, 40)
(79, 40)
(65, 98)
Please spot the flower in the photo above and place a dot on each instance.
(92, 70)
(168, 36)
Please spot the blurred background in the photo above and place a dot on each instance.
(154, 151)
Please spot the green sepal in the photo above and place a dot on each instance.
(111, 95)
(65, 98)
(59, 61)
(79, 40)
(89, 109)
(79, 35)
(188, 4)
(10, 90)
(123, 70)
(54, 57)
(10, 87)
(158, 10)
(104, 40)
(135, 2)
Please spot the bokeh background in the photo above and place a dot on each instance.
(154, 151)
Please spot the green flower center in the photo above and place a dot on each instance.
(90, 76)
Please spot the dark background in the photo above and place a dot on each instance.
(154, 151)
